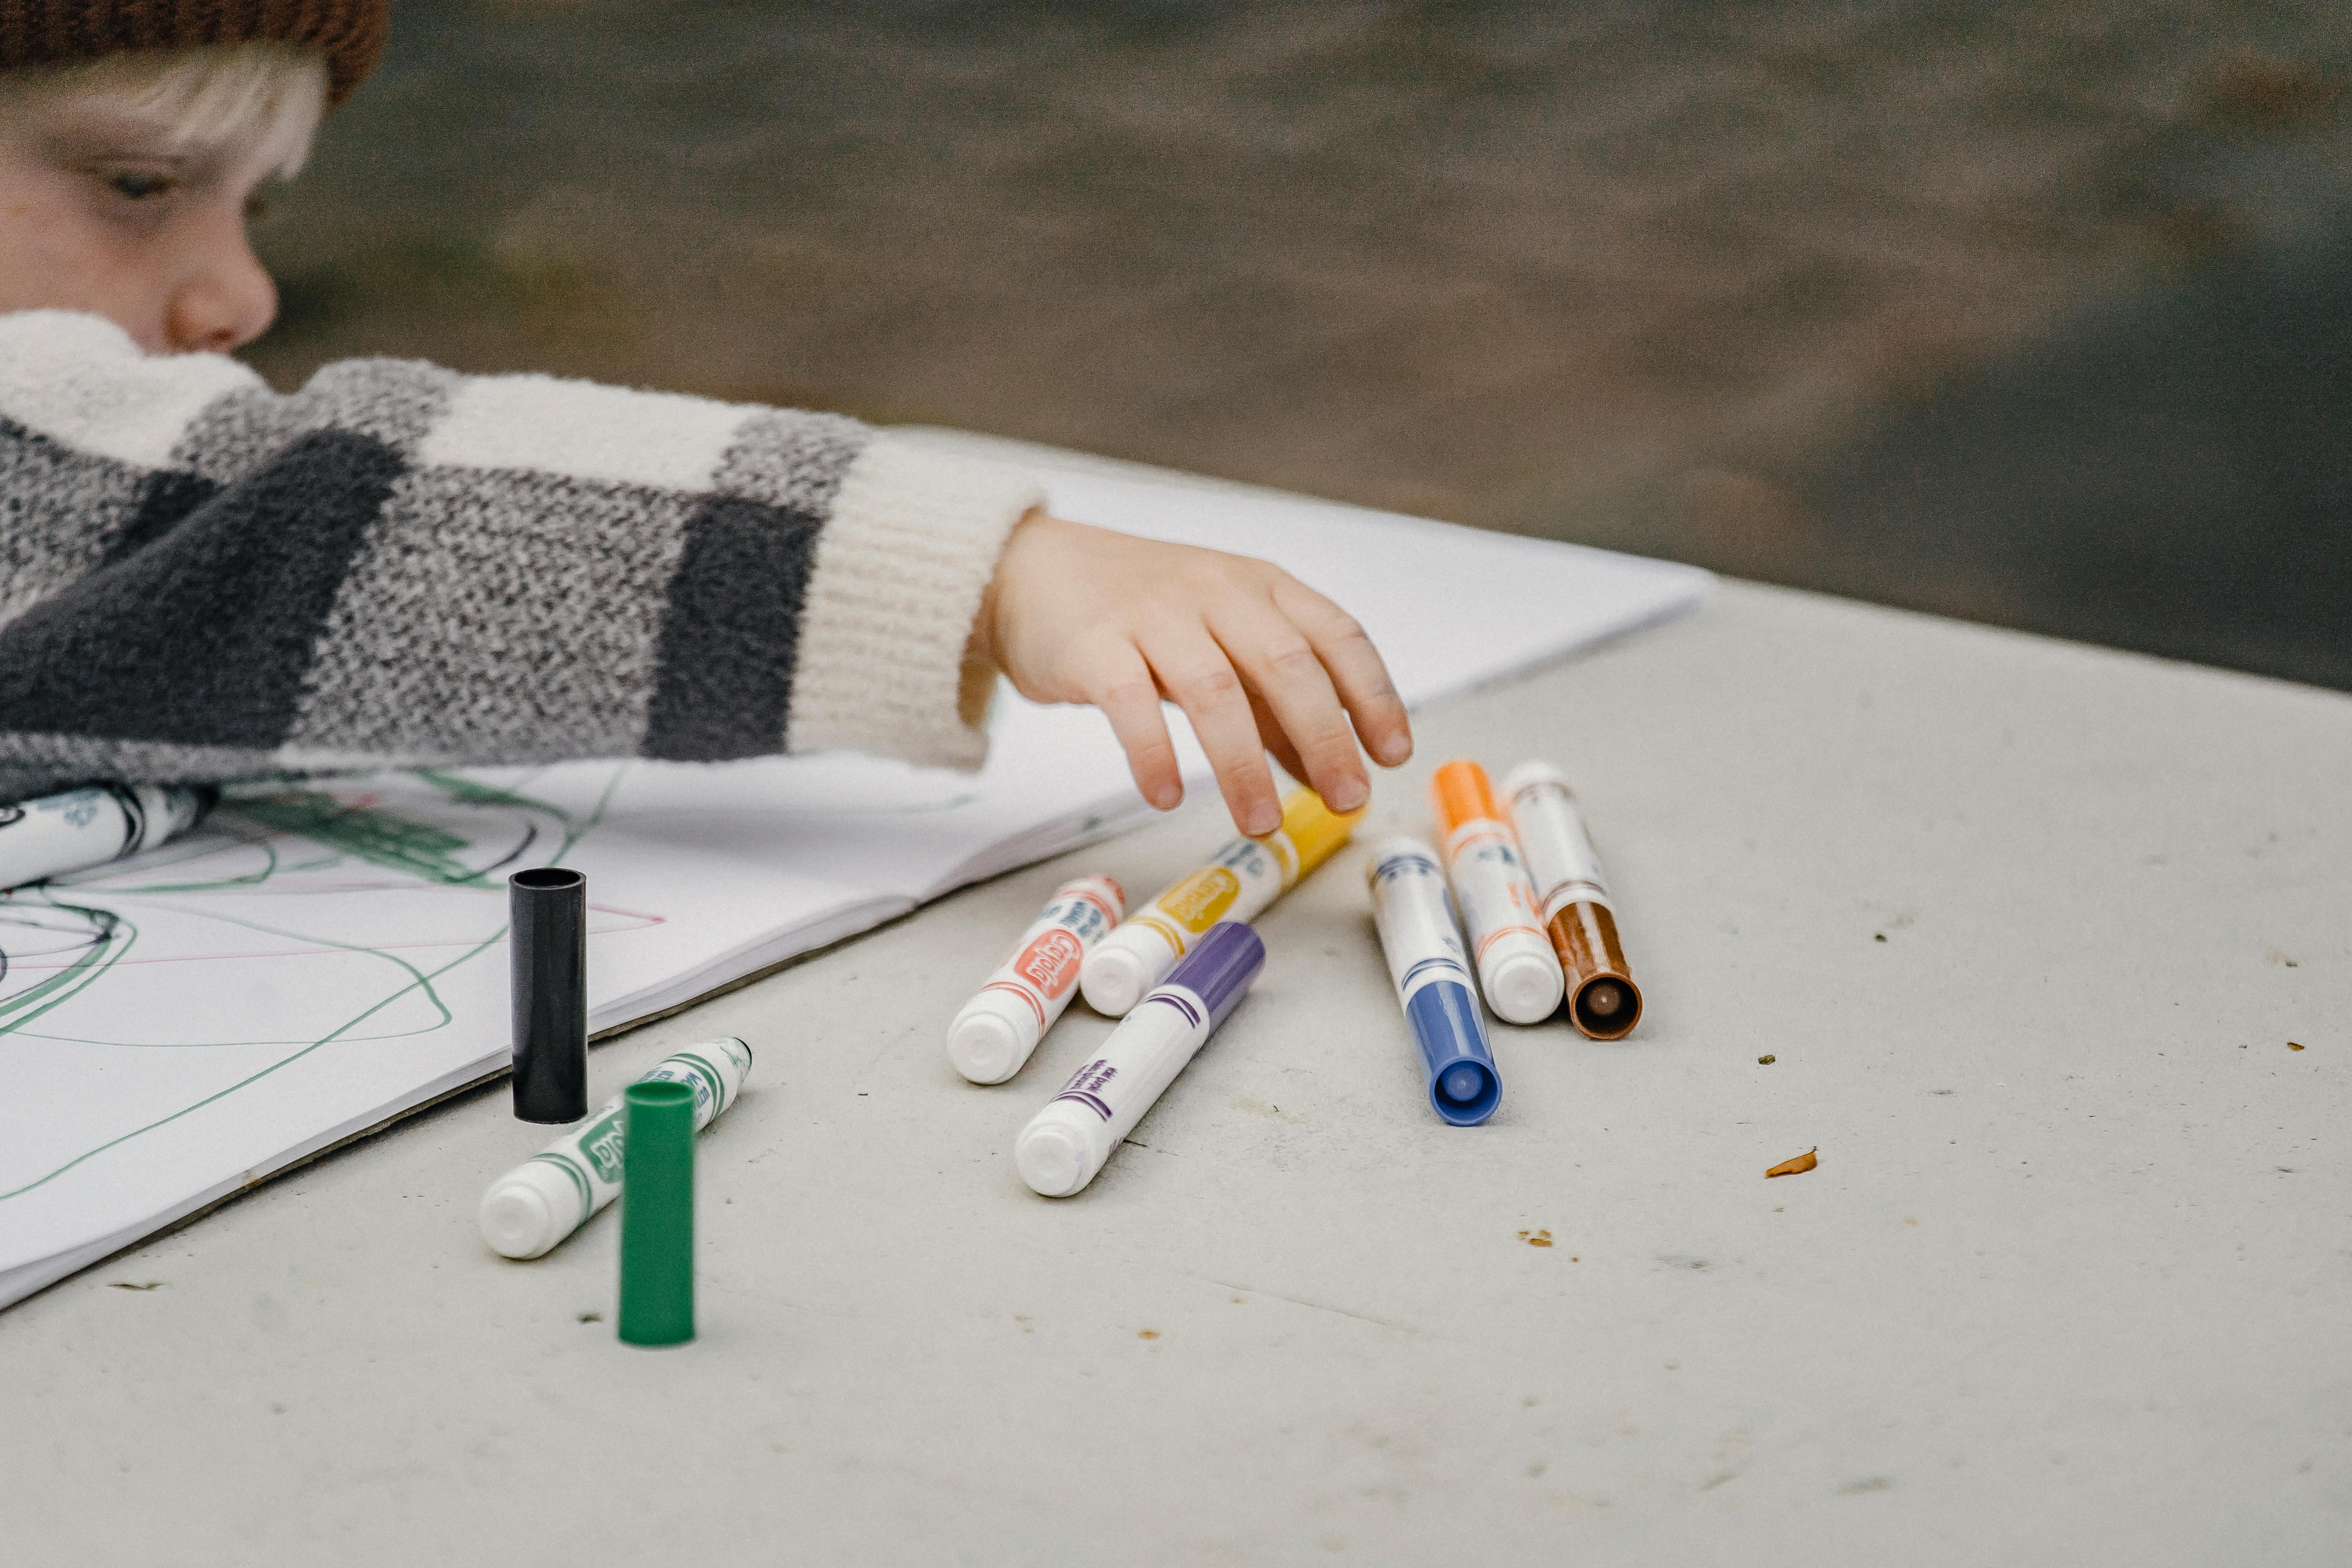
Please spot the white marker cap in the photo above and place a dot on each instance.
(531, 1209)
(1115, 976)
(1527, 774)
(1054, 1159)
(992, 1037)
(1523, 985)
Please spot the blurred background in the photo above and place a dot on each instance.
(2035, 314)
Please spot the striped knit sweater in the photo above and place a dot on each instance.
(201, 580)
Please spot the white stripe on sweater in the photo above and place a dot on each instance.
(79, 380)
(582, 430)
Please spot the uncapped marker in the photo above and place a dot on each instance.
(1517, 968)
(547, 1197)
(1573, 900)
(1246, 875)
(998, 1028)
(1426, 963)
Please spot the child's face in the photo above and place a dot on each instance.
(99, 211)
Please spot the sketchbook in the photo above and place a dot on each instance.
(316, 960)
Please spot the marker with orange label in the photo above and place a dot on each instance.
(1237, 885)
(1000, 1027)
(1518, 970)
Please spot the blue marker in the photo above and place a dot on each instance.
(1432, 980)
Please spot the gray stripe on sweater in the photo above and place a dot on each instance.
(794, 461)
(392, 401)
(451, 637)
(43, 764)
(58, 510)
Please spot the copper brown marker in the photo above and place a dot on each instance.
(1603, 1000)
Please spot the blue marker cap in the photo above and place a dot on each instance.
(1220, 967)
(1464, 1087)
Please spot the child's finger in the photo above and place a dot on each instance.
(1270, 736)
(1355, 668)
(1120, 684)
(1282, 669)
(1196, 673)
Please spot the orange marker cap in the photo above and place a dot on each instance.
(1313, 829)
(1462, 793)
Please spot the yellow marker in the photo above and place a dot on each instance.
(1242, 878)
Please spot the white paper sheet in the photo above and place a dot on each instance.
(312, 963)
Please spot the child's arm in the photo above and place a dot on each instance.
(206, 580)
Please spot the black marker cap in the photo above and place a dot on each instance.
(547, 945)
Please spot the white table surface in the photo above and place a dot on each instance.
(2070, 1284)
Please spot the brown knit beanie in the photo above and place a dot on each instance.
(61, 32)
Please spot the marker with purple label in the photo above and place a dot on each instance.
(1068, 1143)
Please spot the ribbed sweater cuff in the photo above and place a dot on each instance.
(901, 568)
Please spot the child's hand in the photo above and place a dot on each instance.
(1258, 662)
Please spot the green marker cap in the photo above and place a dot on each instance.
(657, 1213)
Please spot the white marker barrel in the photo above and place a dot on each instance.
(1572, 900)
(1432, 975)
(547, 1197)
(1068, 1142)
(1000, 1027)
(1246, 875)
(80, 829)
(1518, 970)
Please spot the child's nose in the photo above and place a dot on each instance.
(226, 302)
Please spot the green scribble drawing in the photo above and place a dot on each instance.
(418, 979)
(113, 936)
(378, 836)
(363, 833)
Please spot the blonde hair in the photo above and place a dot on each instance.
(270, 93)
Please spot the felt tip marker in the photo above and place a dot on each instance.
(1572, 896)
(1517, 968)
(81, 829)
(1244, 878)
(1431, 974)
(547, 1197)
(1066, 1143)
(998, 1028)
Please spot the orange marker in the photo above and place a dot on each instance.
(1517, 968)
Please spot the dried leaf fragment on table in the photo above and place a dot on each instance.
(1804, 1161)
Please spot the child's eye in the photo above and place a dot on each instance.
(138, 185)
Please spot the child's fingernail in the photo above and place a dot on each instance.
(1262, 821)
(1346, 797)
(1394, 750)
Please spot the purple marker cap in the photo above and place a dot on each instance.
(1220, 967)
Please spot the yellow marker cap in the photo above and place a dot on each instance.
(1313, 829)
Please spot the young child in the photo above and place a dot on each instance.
(200, 579)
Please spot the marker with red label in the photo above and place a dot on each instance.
(999, 1028)
(1066, 1142)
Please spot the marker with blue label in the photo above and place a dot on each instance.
(1068, 1143)
(1432, 980)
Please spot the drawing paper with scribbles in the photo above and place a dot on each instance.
(316, 958)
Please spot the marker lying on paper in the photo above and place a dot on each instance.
(1517, 967)
(1068, 1143)
(80, 829)
(1432, 980)
(997, 1029)
(1573, 899)
(547, 1197)
(1244, 878)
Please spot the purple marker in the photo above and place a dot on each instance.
(1068, 1143)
